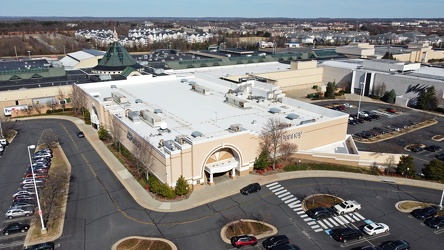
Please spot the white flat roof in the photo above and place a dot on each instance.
(185, 111)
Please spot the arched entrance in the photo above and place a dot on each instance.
(221, 163)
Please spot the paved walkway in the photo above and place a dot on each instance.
(212, 193)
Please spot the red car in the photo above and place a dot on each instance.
(391, 110)
(243, 240)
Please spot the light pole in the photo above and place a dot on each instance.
(29, 54)
(36, 191)
(362, 85)
(440, 203)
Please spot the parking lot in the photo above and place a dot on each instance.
(383, 128)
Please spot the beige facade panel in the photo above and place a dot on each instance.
(300, 65)
(341, 76)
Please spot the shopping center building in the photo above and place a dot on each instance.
(200, 125)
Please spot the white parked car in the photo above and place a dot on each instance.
(31, 181)
(375, 228)
(17, 212)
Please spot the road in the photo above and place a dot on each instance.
(100, 211)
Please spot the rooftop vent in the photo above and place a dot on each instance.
(138, 100)
(274, 110)
(196, 134)
(235, 127)
(292, 116)
(157, 111)
(113, 86)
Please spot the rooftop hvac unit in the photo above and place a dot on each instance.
(180, 139)
(235, 127)
(119, 98)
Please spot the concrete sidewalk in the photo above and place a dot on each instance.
(213, 193)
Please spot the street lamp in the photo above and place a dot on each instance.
(29, 54)
(440, 203)
(35, 189)
(362, 85)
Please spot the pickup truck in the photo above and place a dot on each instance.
(347, 207)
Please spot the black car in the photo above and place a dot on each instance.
(346, 234)
(440, 157)
(424, 213)
(42, 246)
(286, 247)
(416, 149)
(320, 213)
(15, 228)
(395, 245)
(433, 148)
(273, 241)
(80, 134)
(251, 188)
(435, 222)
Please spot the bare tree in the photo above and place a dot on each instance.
(116, 133)
(61, 101)
(78, 99)
(48, 138)
(8, 127)
(287, 149)
(38, 108)
(272, 137)
(28, 110)
(52, 195)
(143, 151)
(50, 105)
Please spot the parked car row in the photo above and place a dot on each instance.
(376, 131)
(428, 215)
(276, 242)
(24, 199)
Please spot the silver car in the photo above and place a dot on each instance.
(18, 212)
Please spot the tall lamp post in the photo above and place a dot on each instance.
(362, 85)
(35, 189)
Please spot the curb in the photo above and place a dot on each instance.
(173, 247)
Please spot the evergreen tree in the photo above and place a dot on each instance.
(182, 187)
(330, 92)
(427, 99)
(389, 96)
(406, 166)
(434, 170)
(262, 161)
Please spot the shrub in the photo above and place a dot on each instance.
(103, 133)
(182, 187)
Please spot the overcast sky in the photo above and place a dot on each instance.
(227, 8)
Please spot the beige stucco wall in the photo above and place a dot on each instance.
(25, 96)
(88, 63)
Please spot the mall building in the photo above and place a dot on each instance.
(200, 125)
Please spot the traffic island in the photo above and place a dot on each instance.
(259, 229)
(143, 243)
(320, 200)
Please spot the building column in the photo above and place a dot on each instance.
(211, 182)
(233, 173)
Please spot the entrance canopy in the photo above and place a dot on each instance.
(221, 166)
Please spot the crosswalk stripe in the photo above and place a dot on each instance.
(304, 216)
(327, 223)
(290, 200)
(338, 220)
(359, 216)
(300, 212)
(294, 204)
(298, 209)
(311, 223)
(271, 184)
(322, 224)
(318, 230)
(307, 219)
(333, 221)
(282, 192)
(277, 189)
(288, 197)
(315, 226)
(343, 219)
(349, 217)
